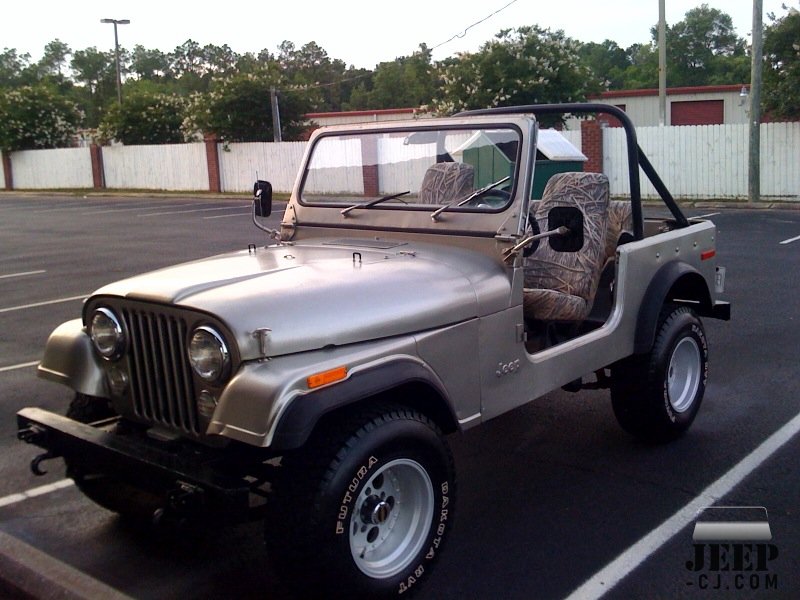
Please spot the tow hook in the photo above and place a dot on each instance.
(33, 434)
(183, 501)
(40, 459)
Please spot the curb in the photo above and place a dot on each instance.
(284, 197)
(30, 574)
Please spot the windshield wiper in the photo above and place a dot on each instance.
(372, 203)
(435, 214)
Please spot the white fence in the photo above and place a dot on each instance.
(703, 162)
(169, 167)
(709, 161)
(277, 163)
(52, 169)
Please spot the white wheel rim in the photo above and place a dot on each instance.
(683, 374)
(391, 518)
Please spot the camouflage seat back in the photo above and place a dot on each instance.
(620, 221)
(560, 286)
(445, 182)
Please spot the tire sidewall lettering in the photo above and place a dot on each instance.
(436, 541)
(350, 495)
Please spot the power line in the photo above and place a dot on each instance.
(476, 23)
(459, 35)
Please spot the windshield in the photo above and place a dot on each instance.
(417, 170)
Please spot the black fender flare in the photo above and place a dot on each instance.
(299, 419)
(692, 287)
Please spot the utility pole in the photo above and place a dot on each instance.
(662, 63)
(116, 52)
(276, 115)
(754, 156)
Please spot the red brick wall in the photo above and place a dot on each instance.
(212, 159)
(369, 168)
(98, 173)
(592, 145)
(9, 180)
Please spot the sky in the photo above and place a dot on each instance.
(362, 33)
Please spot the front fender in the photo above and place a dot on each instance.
(268, 403)
(70, 360)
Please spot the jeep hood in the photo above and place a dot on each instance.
(328, 293)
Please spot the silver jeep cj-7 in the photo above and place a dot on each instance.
(414, 289)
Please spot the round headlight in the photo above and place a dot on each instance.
(208, 354)
(107, 334)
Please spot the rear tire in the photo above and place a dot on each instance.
(363, 509)
(656, 396)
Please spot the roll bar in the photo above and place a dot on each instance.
(636, 158)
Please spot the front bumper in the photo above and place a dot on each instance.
(187, 480)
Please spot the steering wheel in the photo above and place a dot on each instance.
(492, 199)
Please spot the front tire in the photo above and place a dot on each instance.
(656, 396)
(363, 509)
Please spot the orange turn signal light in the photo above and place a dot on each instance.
(707, 254)
(319, 379)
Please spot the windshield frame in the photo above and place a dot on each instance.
(424, 126)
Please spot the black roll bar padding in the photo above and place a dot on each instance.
(636, 157)
(662, 190)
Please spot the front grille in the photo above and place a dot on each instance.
(161, 379)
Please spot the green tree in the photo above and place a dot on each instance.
(526, 65)
(35, 117)
(310, 70)
(642, 73)
(152, 65)
(12, 65)
(608, 63)
(145, 118)
(407, 82)
(781, 92)
(238, 109)
(17, 69)
(54, 58)
(703, 49)
(95, 72)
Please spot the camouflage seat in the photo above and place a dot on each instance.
(445, 182)
(560, 286)
(620, 225)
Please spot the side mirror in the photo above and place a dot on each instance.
(571, 218)
(262, 198)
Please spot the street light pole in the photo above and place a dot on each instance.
(116, 51)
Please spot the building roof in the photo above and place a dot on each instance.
(702, 89)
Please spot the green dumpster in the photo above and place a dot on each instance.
(555, 154)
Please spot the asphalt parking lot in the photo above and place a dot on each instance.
(554, 498)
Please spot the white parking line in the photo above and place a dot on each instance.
(139, 207)
(610, 575)
(81, 206)
(35, 304)
(194, 210)
(38, 491)
(790, 240)
(25, 274)
(19, 366)
(238, 214)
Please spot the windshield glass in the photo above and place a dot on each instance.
(414, 169)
